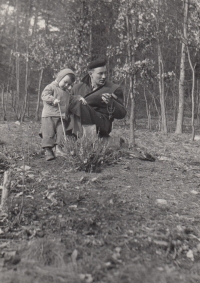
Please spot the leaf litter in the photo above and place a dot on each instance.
(105, 227)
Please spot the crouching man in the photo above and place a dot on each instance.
(97, 101)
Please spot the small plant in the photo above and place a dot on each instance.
(89, 154)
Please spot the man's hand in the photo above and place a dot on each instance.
(106, 97)
(56, 101)
(83, 101)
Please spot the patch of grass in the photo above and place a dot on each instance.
(90, 154)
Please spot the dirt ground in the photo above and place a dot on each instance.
(136, 221)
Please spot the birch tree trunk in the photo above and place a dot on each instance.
(162, 90)
(132, 116)
(179, 123)
(198, 102)
(161, 84)
(39, 94)
(132, 77)
(192, 94)
(148, 110)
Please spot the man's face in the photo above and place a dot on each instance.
(65, 83)
(98, 76)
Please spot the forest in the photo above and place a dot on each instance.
(152, 47)
(124, 210)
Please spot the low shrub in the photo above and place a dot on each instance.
(89, 154)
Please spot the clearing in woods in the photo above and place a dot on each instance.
(135, 221)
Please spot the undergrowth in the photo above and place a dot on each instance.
(90, 154)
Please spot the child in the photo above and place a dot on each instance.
(53, 95)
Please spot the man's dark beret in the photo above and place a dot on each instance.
(97, 63)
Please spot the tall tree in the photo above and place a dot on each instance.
(179, 123)
(161, 71)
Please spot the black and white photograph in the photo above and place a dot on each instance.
(99, 141)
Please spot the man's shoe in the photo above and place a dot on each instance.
(49, 154)
(59, 151)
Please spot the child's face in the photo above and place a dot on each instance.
(65, 83)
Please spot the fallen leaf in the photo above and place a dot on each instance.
(86, 277)
(29, 196)
(26, 167)
(31, 176)
(164, 158)
(180, 228)
(160, 243)
(118, 249)
(82, 276)
(190, 255)
(9, 254)
(161, 202)
(73, 206)
(4, 245)
(108, 264)
(111, 201)
(74, 256)
(194, 192)
(19, 194)
(51, 197)
(83, 179)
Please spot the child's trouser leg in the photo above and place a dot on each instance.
(49, 131)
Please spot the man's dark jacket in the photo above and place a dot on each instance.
(96, 111)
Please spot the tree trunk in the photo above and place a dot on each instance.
(174, 102)
(147, 110)
(193, 86)
(161, 90)
(192, 94)
(26, 96)
(179, 123)
(16, 106)
(90, 28)
(132, 115)
(132, 77)
(26, 90)
(3, 103)
(198, 102)
(39, 94)
(35, 19)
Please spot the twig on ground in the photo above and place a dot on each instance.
(5, 190)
